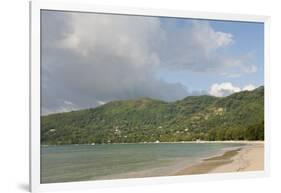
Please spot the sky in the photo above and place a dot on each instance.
(89, 59)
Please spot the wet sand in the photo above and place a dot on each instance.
(248, 158)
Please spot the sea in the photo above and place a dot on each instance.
(72, 163)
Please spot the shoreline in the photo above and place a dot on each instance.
(177, 142)
(248, 158)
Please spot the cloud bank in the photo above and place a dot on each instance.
(90, 59)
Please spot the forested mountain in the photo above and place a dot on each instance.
(239, 116)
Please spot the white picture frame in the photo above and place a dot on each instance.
(36, 6)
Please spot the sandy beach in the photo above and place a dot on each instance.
(248, 158)
(149, 160)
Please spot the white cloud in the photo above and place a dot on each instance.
(226, 88)
(249, 87)
(210, 39)
(198, 47)
(101, 102)
(64, 107)
(223, 89)
(88, 58)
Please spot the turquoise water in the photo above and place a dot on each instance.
(68, 163)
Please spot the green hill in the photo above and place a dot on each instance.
(239, 116)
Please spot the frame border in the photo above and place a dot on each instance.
(34, 98)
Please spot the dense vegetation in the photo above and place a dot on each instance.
(239, 116)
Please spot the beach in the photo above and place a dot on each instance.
(248, 158)
(115, 161)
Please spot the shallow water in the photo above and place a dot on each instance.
(68, 163)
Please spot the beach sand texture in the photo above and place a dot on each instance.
(249, 158)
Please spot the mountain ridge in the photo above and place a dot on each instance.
(236, 117)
